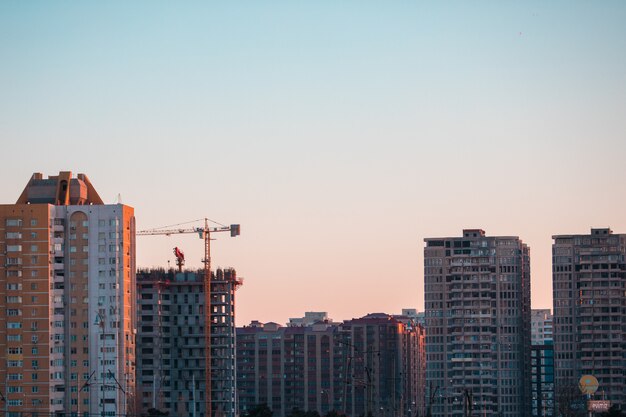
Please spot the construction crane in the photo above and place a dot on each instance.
(180, 258)
(203, 233)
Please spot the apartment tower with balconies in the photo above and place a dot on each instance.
(477, 299)
(589, 295)
(67, 296)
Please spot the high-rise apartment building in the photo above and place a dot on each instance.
(589, 283)
(477, 296)
(541, 326)
(374, 364)
(171, 356)
(67, 297)
(542, 363)
(542, 379)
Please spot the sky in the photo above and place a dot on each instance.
(339, 134)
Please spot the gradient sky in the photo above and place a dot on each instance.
(339, 134)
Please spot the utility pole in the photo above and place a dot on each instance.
(468, 402)
(100, 321)
(193, 393)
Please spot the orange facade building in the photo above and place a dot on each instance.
(67, 296)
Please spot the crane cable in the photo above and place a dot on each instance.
(191, 221)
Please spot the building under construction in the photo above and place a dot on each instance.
(171, 335)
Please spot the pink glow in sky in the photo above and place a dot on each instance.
(339, 135)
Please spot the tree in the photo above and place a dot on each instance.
(259, 410)
(569, 400)
(153, 412)
(614, 411)
(431, 399)
(296, 412)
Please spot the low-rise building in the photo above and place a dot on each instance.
(374, 364)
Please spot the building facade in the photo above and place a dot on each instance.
(374, 364)
(589, 283)
(541, 326)
(171, 356)
(477, 299)
(67, 265)
(542, 379)
(309, 319)
(542, 363)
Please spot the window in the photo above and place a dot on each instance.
(13, 222)
(14, 248)
(33, 222)
(13, 235)
(34, 248)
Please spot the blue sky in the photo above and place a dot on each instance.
(339, 134)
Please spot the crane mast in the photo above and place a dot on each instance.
(203, 233)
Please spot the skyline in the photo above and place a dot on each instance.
(338, 135)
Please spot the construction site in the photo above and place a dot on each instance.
(186, 355)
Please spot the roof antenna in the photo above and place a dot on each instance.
(119, 198)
